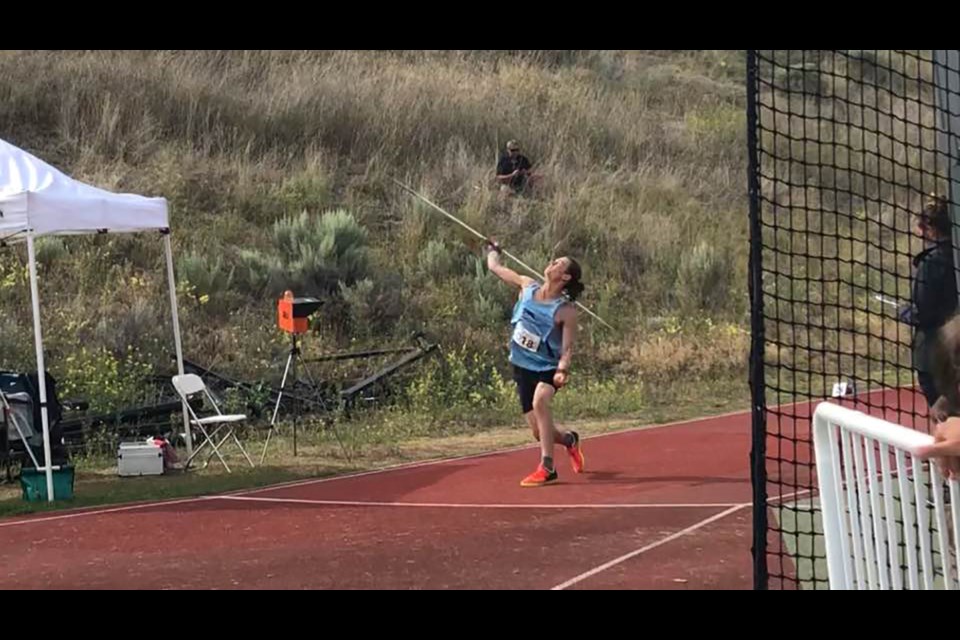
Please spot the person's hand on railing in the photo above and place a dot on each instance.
(945, 448)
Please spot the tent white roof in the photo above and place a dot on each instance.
(35, 195)
(37, 199)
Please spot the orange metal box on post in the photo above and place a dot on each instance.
(293, 313)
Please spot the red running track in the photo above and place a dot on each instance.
(664, 507)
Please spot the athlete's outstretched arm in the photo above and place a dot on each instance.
(506, 274)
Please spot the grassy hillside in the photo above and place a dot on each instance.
(277, 166)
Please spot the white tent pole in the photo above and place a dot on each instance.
(176, 334)
(41, 370)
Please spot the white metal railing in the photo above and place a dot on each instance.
(884, 511)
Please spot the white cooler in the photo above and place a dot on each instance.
(139, 459)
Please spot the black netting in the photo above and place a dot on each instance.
(846, 149)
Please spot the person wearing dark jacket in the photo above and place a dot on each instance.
(933, 295)
(514, 170)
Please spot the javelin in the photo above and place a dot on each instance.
(887, 301)
(487, 239)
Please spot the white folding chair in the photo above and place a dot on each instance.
(191, 384)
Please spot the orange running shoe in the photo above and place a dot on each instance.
(540, 477)
(576, 453)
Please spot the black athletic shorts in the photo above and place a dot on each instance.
(527, 382)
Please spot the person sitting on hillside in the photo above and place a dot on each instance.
(514, 170)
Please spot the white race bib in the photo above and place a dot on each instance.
(525, 339)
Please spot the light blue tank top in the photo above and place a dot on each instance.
(536, 341)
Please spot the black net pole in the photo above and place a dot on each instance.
(757, 388)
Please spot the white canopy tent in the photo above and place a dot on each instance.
(36, 200)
